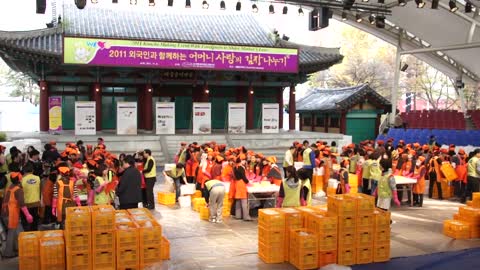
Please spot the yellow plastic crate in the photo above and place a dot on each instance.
(456, 229)
(365, 204)
(269, 238)
(52, 253)
(365, 221)
(381, 253)
(303, 241)
(304, 260)
(103, 218)
(364, 255)
(364, 238)
(204, 213)
(347, 256)
(104, 260)
(127, 236)
(79, 260)
(198, 194)
(382, 219)
(29, 263)
(305, 211)
(128, 258)
(331, 191)
(270, 254)
(166, 198)
(327, 241)
(150, 233)
(272, 219)
(341, 205)
(103, 241)
(346, 240)
(347, 224)
(197, 203)
(150, 255)
(29, 245)
(139, 212)
(327, 257)
(293, 218)
(470, 214)
(78, 242)
(321, 224)
(381, 237)
(78, 219)
(475, 196)
(470, 203)
(165, 251)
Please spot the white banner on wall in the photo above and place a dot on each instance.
(202, 118)
(126, 118)
(270, 119)
(237, 121)
(165, 117)
(85, 121)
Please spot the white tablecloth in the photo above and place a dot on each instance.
(402, 180)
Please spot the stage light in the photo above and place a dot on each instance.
(239, 6)
(133, 2)
(404, 67)
(41, 6)
(365, 1)
(207, 91)
(170, 3)
(222, 5)
(80, 3)
(97, 89)
(453, 6)
(402, 3)
(381, 1)
(380, 21)
(371, 19)
(271, 9)
(254, 8)
(94, 1)
(149, 90)
(205, 4)
(468, 7)
(300, 11)
(358, 17)
(151, 3)
(285, 10)
(420, 3)
(188, 4)
(114, 1)
(435, 4)
(344, 16)
(285, 37)
(251, 92)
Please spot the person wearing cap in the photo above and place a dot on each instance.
(100, 141)
(65, 194)
(50, 154)
(217, 167)
(473, 174)
(214, 192)
(288, 159)
(274, 175)
(375, 171)
(31, 190)
(129, 190)
(459, 162)
(205, 170)
(13, 203)
(240, 191)
(419, 173)
(309, 158)
(150, 174)
(178, 175)
(435, 175)
(290, 189)
(34, 160)
(227, 170)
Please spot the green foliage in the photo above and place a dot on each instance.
(3, 137)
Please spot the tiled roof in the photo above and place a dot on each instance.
(337, 99)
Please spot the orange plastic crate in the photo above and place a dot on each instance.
(304, 260)
(365, 204)
(365, 221)
(475, 196)
(303, 241)
(78, 219)
(29, 263)
(268, 237)
(127, 236)
(150, 233)
(470, 214)
(139, 211)
(341, 205)
(271, 219)
(347, 256)
(469, 203)
(150, 255)
(165, 248)
(456, 229)
(270, 254)
(121, 213)
(52, 253)
(29, 245)
(204, 212)
(382, 219)
(331, 191)
(381, 237)
(364, 255)
(103, 241)
(347, 239)
(293, 218)
(78, 242)
(104, 259)
(128, 258)
(476, 203)
(381, 253)
(327, 257)
(347, 223)
(321, 224)
(52, 234)
(364, 238)
(103, 217)
(327, 241)
(142, 217)
(79, 260)
(166, 198)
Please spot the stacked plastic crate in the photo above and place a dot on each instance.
(353, 182)
(293, 220)
(271, 236)
(381, 240)
(52, 250)
(78, 238)
(466, 223)
(344, 208)
(127, 243)
(103, 234)
(365, 229)
(29, 250)
(303, 249)
(227, 205)
(326, 231)
(150, 238)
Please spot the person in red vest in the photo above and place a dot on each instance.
(13, 203)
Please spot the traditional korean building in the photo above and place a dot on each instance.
(354, 111)
(105, 55)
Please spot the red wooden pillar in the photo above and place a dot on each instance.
(291, 108)
(148, 108)
(97, 97)
(141, 107)
(280, 108)
(250, 118)
(44, 119)
(343, 123)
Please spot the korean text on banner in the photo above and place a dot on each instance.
(85, 118)
(55, 113)
(202, 118)
(165, 117)
(270, 118)
(237, 121)
(127, 118)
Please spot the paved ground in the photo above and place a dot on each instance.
(199, 245)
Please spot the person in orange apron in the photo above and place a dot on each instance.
(265, 169)
(227, 170)
(205, 171)
(65, 194)
(217, 168)
(435, 175)
(274, 175)
(241, 195)
(13, 202)
(460, 164)
(251, 165)
(419, 188)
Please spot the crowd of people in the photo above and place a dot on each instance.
(35, 190)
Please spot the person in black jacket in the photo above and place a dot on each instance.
(129, 189)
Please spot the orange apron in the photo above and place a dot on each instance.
(461, 170)
(265, 170)
(13, 208)
(202, 178)
(227, 172)
(394, 166)
(276, 181)
(63, 202)
(47, 193)
(419, 187)
(326, 175)
(407, 166)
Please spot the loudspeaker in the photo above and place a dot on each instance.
(80, 3)
(41, 6)
(319, 18)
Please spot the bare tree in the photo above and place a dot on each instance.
(22, 85)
